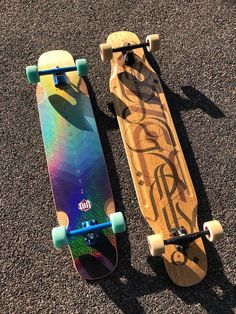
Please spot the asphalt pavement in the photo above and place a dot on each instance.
(196, 63)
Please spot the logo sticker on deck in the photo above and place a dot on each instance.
(84, 205)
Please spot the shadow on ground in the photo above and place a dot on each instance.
(126, 284)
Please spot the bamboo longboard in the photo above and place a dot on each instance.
(76, 164)
(165, 191)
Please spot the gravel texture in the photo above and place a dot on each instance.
(197, 67)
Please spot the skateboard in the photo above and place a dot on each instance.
(78, 175)
(163, 185)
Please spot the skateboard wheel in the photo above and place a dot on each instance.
(154, 42)
(156, 244)
(32, 74)
(105, 51)
(117, 222)
(59, 237)
(215, 229)
(82, 67)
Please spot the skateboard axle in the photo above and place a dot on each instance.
(57, 70)
(130, 47)
(186, 238)
(90, 229)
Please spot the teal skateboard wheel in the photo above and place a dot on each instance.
(82, 67)
(59, 237)
(32, 74)
(117, 222)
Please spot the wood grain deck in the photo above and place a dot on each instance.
(163, 185)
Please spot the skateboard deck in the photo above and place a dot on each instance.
(76, 164)
(163, 185)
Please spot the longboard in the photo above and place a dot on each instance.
(163, 185)
(78, 175)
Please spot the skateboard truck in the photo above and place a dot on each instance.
(211, 229)
(152, 44)
(90, 238)
(128, 55)
(130, 47)
(59, 77)
(181, 239)
(179, 233)
(90, 230)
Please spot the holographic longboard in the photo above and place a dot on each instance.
(76, 165)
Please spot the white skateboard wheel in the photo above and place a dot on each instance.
(215, 229)
(156, 244)
(154, 42)
(105, 51)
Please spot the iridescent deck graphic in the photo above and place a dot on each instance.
(77, 170)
